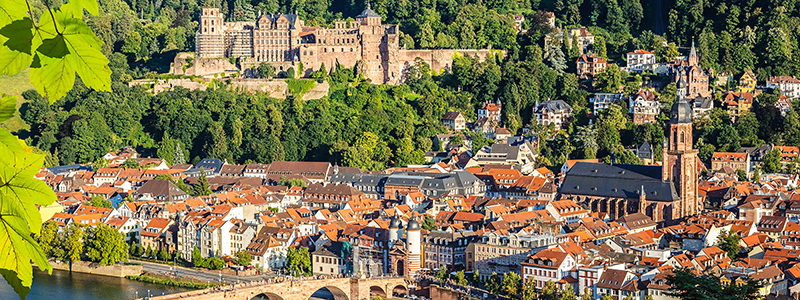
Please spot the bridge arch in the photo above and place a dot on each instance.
(328, 292)
(267, 296)
(375, 291)
(399, 290)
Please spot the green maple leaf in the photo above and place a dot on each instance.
(66, 46)
(20, 192)
(8, 105)
(76, 7)
(16, 33)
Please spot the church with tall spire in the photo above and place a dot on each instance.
(696, 79)
(665, 193)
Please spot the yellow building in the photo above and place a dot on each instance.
(47, 212)
(747, 83)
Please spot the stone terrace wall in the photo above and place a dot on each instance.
(117, 270)
(276, 88)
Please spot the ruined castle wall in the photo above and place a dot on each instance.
(188, 64)
(442, 59)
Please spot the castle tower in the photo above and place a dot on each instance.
(394, 229)
(680, 158)
(414, 241)
(210, 40)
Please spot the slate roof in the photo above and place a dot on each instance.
(451, 115)
(618, 181)
(368, 12)
(553, 105)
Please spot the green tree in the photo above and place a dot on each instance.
(529, 290)
(461, 279)
(476, 278)
(729, 242)
(73, 243)
(290, 73)
(610, 80)
(243, 258)
(149, 252)
(164, 255)
(98, 201)
(772, 162)
(672, 51)
(298, 261)
(266, 70)
(166, 149)
(48, 237)
(792, 129)
(568, 294)
(429, 223)
(442, 274)
(201, 187)
(130, 163)
(687, 286)
(511, 284)
(106, 245)
(425, 37)
(600, 47)
(555, 59)
(197, 259)
(741, 174)
(494, 284)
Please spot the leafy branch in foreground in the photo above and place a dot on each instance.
(56, 47)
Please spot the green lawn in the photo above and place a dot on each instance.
(15, 85)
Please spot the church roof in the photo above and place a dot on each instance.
(618, 181)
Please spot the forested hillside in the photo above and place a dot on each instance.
(373, 126)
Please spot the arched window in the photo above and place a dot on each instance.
(681, 140)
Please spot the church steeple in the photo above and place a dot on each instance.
(693, 55)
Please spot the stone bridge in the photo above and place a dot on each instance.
(340, 288)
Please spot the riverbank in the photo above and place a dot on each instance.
(66, 285)
(163, 280)
(116, 270)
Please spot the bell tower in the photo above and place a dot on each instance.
(680, 158)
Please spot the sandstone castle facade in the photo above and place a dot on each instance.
(284, 41)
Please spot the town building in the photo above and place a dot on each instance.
(491, 111)
(738, 104)
(330, 258)
(731, 160)
(582, 34)
(691, 72)
(747, 83)
(644, 108)
(556, 112)
(783, 105)
(548, 265)
(444, 249)
(602, 101)
(454, 120)
(789, 85)
(590, 65)
(665, 192)
(638, 59)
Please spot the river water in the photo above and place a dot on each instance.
(79, 286)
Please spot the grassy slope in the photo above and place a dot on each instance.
(15, 85)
